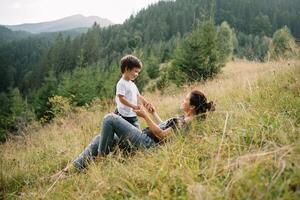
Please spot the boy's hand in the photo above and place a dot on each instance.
(136, 107)
(150, 107)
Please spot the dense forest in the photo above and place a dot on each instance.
(34, 68)
(7, 35)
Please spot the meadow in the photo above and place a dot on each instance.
(247, 149)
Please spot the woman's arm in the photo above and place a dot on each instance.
(150, 109)
(158, 132)
(156, 117)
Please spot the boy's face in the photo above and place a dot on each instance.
(133, 73)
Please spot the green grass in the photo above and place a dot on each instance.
(248, 149)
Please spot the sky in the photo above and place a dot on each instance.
(14, 12)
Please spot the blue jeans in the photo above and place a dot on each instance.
(115, 131)
(132, 120)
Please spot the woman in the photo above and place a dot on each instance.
(117, 131)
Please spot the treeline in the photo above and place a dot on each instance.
(7, 35)
(85, 67)
(260, 17)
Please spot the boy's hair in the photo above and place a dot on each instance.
(129, 62)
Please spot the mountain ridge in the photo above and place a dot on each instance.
(62, 24)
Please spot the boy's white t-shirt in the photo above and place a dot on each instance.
(130, 91)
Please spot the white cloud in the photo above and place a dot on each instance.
(16, 5)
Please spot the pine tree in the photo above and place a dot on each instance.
(5, 119)
(152, 67)
(41, 98)
(197, 57)
(225, 42)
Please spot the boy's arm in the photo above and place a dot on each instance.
(124, 101)
(142, 99)
(146, 103)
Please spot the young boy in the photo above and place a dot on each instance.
(127, 94)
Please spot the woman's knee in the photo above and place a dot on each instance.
(109, 117)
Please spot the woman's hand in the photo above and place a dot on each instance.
(140, 112)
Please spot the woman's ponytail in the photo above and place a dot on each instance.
(198, 99)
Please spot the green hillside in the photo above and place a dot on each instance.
(247, 149)
(56, 87)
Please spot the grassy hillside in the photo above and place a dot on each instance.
(247, 149)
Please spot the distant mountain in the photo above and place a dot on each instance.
(67, 23)
(7, 35)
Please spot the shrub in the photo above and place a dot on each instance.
(60, 106)
(283, 44)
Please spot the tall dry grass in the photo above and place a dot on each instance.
(247, 149)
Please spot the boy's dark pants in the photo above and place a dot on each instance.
(132, 120)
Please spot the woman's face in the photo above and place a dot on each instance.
(185, 104)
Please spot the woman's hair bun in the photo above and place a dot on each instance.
(210, 106)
